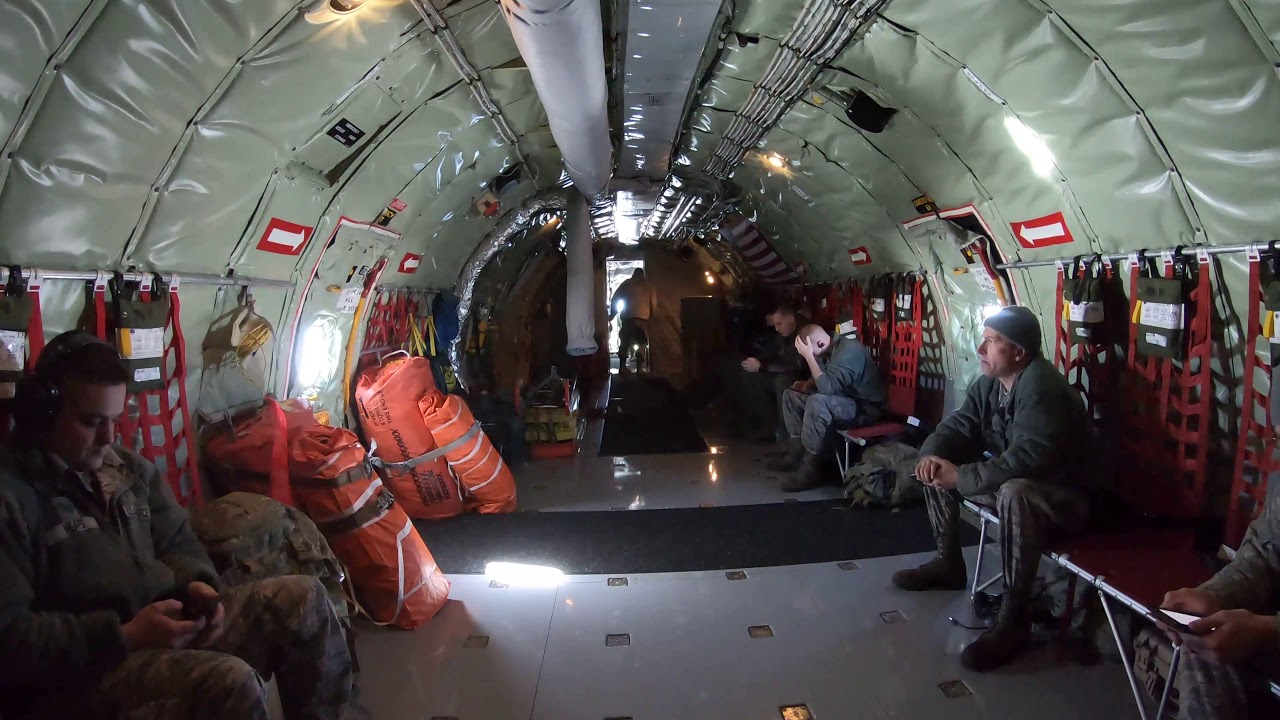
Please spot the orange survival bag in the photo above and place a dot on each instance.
(396, 580)
(251, 454)
(405, 451)
(489, 484)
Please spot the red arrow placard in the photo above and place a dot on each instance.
(284, 238)
(1043, 232)
(409, 265)
(860, 255)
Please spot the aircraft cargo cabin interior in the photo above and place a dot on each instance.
(639, 359)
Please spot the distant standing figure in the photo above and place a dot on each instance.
(636, 301)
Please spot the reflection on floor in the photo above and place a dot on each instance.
(835, 638)
(727, 475)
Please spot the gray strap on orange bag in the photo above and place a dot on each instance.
(412, 463)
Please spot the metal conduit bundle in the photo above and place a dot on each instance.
(821, 31)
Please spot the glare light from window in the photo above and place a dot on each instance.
(1031, 145)
(520, 575)
(318, 356)
(990, 310)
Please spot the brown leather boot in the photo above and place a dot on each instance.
(945, 572)
(809, 476)
(791, 461)
(1005, 641)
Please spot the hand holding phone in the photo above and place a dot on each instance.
(1178, 621)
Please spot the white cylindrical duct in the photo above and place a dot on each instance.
(580, 293)
(562, 43)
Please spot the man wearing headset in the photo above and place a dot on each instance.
(109, 606)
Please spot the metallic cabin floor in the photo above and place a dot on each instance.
(840, 641)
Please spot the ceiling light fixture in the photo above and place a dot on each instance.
(326, 11)
(775, 161)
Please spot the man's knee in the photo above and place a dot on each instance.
(1015, 489)
(196, 684)
(293, 593)
(230, 683)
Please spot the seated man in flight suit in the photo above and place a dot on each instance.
(1019, 443)
(109, 605)
(845, 386)
(763, 376)
(1236, 648)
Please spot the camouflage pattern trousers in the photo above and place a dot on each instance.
(1030, 514)
(282, 627)
(809, 416)
(1208, 690)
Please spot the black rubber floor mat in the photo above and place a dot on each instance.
(647, 416)
(645, 541)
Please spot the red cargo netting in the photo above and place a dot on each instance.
(162, 430)
(1164, 436)
(1088, 367)
(904, 354)
(1257, 451)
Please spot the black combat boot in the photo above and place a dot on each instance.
(791, 461)
(1006, 640)
(945, 572)
(810, 475)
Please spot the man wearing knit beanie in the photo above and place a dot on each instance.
(1015, 444)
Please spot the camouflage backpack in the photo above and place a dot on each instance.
(883, 478)
(252, 537)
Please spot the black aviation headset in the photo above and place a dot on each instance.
(37, 397)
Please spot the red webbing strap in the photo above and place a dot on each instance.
(1257, 451)
(376, 334)
(185, 434)
(100, 308)
(280, 488)
(35, 327)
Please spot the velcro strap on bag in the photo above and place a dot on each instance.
(346, 477)
(427, 457)
(361, 515)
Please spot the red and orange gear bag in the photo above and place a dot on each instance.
(387, 398)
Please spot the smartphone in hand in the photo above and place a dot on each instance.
(1177, 620)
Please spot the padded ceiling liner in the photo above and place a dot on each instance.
(161, 133)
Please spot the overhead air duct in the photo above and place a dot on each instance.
(562, 43)
(580, 292)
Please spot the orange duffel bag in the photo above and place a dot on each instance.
(387, 403)
(485, 476)
(396, 580)
(250, 454)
